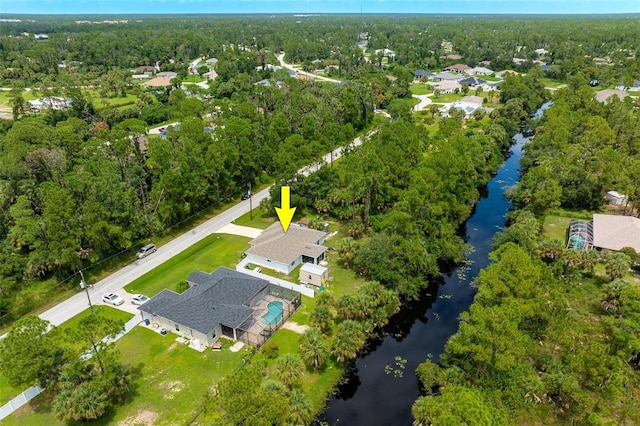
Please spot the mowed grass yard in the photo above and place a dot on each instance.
(169, 382)
(212, 252)
(8, 392)
(420, 89)
(556, 223)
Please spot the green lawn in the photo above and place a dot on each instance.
(550, 82)
(7, 392)
(556, 227)
(27, 95)
(169, 382)
(448, 98)
(100, 102)
(210, 253)
(420, 89)
(260, 219)
(489, 78)
(193, 78)
(556, 223)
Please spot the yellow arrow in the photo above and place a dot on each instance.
(285, 213)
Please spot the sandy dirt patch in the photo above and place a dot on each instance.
(171, 388)
(144, 417)
(295, 327)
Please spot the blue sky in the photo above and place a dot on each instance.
(318, 6)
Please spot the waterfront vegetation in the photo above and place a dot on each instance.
(552, 334)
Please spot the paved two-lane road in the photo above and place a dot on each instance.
(78, 303)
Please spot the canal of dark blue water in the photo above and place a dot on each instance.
(381, 385)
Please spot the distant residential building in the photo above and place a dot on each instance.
(386, 52)
(468, 104)
(145, 69)
(473, 81)
(158, 82)
(54, 102)
(506, 73)
(615, 198)
(167, 74)
(41, 36)
(541, 52)
(603, 61)
(447, 86)
(480, 71)
(445, 76)
(264, 82)
(603, 96)
(418, 74)
(211, 75)
(458, 68)
(140, 77)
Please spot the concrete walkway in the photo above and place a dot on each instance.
(243, 231)
(424, 101)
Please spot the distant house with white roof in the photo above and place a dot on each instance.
(615, 198)
(480, 71)
(468, 104)
(447, 86)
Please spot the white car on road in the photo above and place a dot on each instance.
(139, 299)
(112, 299)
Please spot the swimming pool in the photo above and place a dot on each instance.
(577, 241)
(274, 314)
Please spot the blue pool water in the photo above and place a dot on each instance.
(274, 314)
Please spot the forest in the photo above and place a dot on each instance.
(551, 336)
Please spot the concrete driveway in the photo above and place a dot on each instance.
(127, 306)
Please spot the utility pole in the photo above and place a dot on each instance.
(83, 284)
(250, 203)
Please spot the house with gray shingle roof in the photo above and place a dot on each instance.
(284, 251)
(418, 74)
(223, 303)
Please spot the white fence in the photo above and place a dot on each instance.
(34, 391)
(19, 401)
(240, 267)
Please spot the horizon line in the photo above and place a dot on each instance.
(306, 14)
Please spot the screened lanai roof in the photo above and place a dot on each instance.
(580, 235)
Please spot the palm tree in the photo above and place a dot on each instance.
(289, 370)
(84, 402)
(617, 265)
(347, 306)
(612, 291)
(350, 338)
(313, 348)
(300, 408)
(347, 251)
(321, 317)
